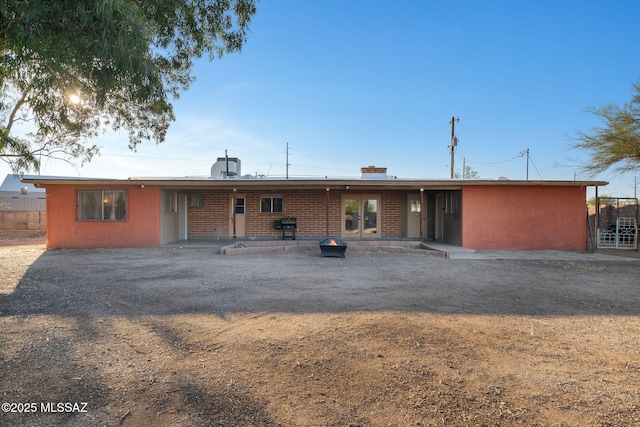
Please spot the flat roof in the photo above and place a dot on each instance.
(278, 183)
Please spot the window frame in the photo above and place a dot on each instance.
(272, 204)
(240, 205)
(171, 202)
(196, 200)
(105, 201)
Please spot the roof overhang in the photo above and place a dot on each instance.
(299, 184)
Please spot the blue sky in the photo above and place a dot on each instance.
(354, 83)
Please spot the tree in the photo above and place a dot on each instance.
(604, 200)
(469, 173)
(73, 69)
(617, 144)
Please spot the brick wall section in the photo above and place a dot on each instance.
(211, 220)
(335, 213)
(391, 208)
(373, 169)
(308, 207)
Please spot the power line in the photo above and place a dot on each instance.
(521, 154)
(529, 159)
(524, 153)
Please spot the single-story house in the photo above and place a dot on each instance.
(476, 214)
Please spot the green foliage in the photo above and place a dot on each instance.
(125, 59)
(469, 173)
(617, 144)
(604, 200)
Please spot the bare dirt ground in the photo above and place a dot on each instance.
(168, 337)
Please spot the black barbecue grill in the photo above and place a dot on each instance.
(288, 227)
(333, 247)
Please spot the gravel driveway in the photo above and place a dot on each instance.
(171, 336)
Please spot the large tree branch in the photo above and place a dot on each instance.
(12, 117)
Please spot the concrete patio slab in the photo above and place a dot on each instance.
(553, 255)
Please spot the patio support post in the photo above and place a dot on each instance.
(422, 210)
(326, 221)
(233, 207)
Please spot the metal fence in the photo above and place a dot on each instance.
(617, 223)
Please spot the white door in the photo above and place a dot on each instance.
(413, 216)
(236, 220)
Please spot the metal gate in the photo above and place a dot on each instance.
(617, 223)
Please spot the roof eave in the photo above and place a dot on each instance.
(294, 183)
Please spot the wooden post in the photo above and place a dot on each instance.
(453, 143)
(233, 207)
(422, 210)
(326, 222)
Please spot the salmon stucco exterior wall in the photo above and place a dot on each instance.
(140, 229)
(524, 217)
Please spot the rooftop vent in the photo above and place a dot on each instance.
(372, 172)
(226, 167)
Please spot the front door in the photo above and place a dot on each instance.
(236, 220)
(360, 216)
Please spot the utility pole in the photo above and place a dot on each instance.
(527, 151)
(287, 165)
(454, 141)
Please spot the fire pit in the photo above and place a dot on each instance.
(333, 247)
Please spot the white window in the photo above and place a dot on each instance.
(102, 205)
(197, 200)
(171, 202)
(270, 204)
